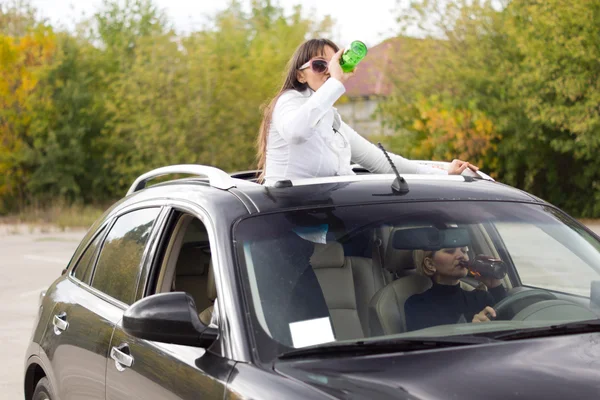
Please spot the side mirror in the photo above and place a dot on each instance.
(168, 318)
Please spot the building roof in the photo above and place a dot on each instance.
(371, 74)
(393, 59)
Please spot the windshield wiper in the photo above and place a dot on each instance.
(385, 346)
(552, 330)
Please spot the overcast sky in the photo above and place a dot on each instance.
(370, 21)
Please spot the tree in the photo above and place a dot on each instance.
(17, 17)
(68, 118)
(83, 113)
(22, 60)
(198, 98)
(528, 69)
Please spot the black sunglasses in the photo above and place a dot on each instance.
(318, 65)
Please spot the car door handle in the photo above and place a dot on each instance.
(122, 359)
(60, 323)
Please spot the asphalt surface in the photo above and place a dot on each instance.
(30, 262)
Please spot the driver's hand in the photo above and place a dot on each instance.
(484, 316)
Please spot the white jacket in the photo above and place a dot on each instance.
(303, 144)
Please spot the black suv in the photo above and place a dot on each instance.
(216, 287)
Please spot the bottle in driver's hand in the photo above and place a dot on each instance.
(486, 267)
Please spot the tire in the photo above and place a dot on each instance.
(42, 390)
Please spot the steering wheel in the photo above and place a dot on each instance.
(517, 300)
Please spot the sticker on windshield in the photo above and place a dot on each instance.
(311, 332)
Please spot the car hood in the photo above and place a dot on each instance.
(549, 368)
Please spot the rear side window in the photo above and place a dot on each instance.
(85, 266)
(120, 259)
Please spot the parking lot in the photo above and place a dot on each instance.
(31, 260)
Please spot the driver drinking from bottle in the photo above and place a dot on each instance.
(446, 302)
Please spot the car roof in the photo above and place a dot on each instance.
(373, 189)
(363, 188)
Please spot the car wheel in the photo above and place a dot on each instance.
(42, 390)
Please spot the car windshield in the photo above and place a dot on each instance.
(402, 270)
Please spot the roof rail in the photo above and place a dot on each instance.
(250, 175)
(216, 177)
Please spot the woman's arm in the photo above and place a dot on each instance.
(372, 158)
(295, 117)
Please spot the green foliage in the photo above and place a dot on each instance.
(512, 88)
(197, 99)
(83, 114)
(528, 71)
(22, 61)
(68, 119)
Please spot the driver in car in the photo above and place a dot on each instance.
(446, 302)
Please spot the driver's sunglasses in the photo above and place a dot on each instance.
(318, 65)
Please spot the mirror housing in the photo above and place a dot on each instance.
(168, 318)
(430, 238)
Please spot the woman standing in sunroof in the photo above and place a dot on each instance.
(302, 134)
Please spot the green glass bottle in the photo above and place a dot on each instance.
(353, 55)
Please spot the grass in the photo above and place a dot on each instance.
(589, 221)
(63, 216)
(59, 215)
(54, 239)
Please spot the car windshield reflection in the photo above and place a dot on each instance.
(408, 270)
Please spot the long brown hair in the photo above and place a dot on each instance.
(307, 50)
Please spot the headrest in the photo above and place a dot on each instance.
(397, 260)
(211, 286)
(192, 261)
(329, 255)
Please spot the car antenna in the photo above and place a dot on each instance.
(399, 185)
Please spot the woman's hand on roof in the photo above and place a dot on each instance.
(457, 167)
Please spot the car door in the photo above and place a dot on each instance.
(143, 369)
(100, 293)
(78, 332)
(163, 371)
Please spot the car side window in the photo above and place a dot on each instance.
(187, 267)
(543, 261)
(85, 266)
(119, 264)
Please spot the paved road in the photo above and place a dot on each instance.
(29, 262)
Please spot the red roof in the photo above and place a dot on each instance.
(370, 78)
(382, 62)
